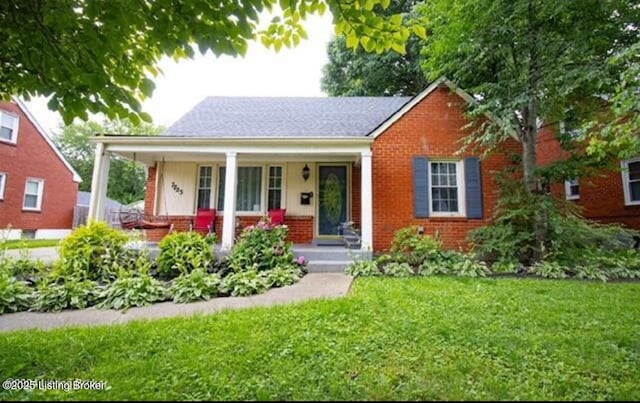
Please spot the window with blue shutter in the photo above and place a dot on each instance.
(421, 187)
(473, 187)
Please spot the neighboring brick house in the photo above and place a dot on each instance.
(38, 187)
(382, 162)
(611, 196)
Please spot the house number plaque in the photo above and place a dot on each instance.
(176, 188)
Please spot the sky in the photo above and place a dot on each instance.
(262, 72)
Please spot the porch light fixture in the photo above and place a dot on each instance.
(305, 172)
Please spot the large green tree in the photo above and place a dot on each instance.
(530, 63)
(356, 72)
(93, 56)
(127, 179)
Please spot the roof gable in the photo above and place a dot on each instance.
(43, 134)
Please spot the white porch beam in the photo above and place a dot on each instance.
(366, 204)
(99, 182)
(229, 222)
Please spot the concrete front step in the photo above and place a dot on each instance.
(328, 266)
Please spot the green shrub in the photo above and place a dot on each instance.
(549, 269)
(195, 286)
(566, 237)
(262, 247)
(282, 276)
(244, 283)
(183, 252)
(91, 252)
(132, 290)
(28, 267)
(409, 246)
(54, 295)
(363, 268)
(14, 295)
(398, 270)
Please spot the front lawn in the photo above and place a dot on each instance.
(412, 338)
(29, 243)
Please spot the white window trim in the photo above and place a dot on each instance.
(40, 194)
(3, 184)
(626, 182)
(214, 182)
(567, 190)
(264, 188)
(462, 201)
(282, 186)
(16, 126)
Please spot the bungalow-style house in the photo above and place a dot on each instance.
(38, 187)
(611, 196)
(381, 162)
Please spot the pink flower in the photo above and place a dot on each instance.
(301, 260)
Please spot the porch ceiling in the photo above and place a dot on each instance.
(149, 158)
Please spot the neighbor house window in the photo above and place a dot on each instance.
(446, 188)
(631, 181)
(274, 192)
(33, 194)
(8, 127)
(3, 184)
(204, 187)
(248, 189)
(572, 189)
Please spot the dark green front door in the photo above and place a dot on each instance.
(332, 198)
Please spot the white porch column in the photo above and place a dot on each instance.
(99, 182)
(229, 222)
(366, 204)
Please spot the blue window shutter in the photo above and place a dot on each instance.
(473, 187)
(421, 187)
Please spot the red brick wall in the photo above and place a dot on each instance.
(300, 227)
(33, 157)
(150, 193)
(601, 196)
(433, 128)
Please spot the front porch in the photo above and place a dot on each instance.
(321, 183)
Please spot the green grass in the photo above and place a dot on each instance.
(400, 339)
(29, 243)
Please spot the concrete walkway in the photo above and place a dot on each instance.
(311, 286)
(47, 255)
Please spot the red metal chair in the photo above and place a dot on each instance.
(277, 216)
(204, 221)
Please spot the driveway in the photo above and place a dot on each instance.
(47, 255)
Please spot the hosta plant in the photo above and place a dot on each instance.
(549, 269)
(398, 270)
(363, 268)
(244, 283)
(131, 290)
(55, 294)
(195, 286)
(469, 267)
(282, 276)
(15, 295)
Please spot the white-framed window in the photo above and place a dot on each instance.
(446, 189)
(33, 191)
(274, 187)
(205, 186)
(631, 181)
(258, 188)
(3, 184)
(9, 124)
(572, 189)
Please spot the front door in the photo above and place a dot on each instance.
(332, 199)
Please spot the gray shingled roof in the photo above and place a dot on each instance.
(285, 117)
